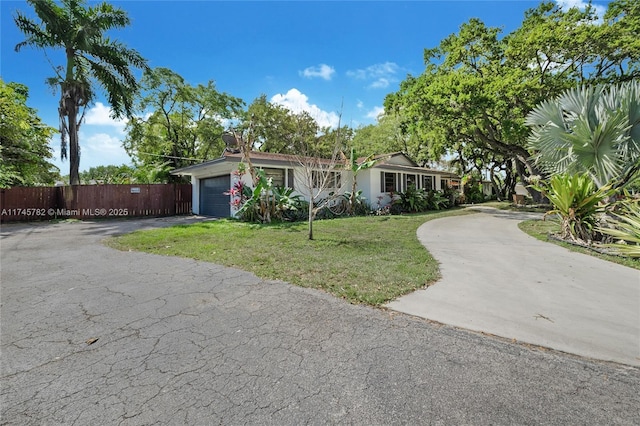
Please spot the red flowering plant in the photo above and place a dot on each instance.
(239, 192)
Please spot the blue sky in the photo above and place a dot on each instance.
(313, 56)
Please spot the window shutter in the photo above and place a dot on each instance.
(382, 188)
(290, 178)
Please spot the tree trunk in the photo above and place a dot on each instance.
(497, 190)
(311, 218)
(74, 145)
(537, 196)
(352, 197)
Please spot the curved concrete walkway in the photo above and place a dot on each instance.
(498, 280)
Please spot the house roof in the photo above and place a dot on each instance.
(389, 158)
(270, 156)
(401, 162)
(391, 161)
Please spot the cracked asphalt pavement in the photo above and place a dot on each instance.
(182, 342)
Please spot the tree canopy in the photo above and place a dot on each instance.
(478, 85)
(387, 136)
(24, 141)
(176, 122)
(124, 174)
(274, 128)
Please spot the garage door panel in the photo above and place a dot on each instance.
(213, 201)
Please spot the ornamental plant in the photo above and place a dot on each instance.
(577, 202)
(265, 202)
(626, 229)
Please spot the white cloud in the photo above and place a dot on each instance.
(102, 149)
(375, 112)
(380, 83)
(100, 115)
(96, 149)
(582, 5)
(360, 104)
(323, 71)
(297, 102)
(381, 75)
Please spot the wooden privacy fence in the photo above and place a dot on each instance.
(94, 202)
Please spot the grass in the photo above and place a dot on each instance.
(541, 229)
(369, 260)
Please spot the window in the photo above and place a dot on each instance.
(334, 179)
(410, 180)
(450, 183)
(276, 175)
(290, 178)
(428, 183)
(388, 182)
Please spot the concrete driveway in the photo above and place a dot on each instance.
(498, 280)
(182, 342)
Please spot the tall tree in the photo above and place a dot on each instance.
(327, 138)
(478, 87)
(176, 122)
(92, 59)
(387, 136)
(274, 128)
(24, 141)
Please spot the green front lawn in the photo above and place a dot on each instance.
(370, 260)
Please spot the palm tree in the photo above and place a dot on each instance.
(594, 130)
(91, 59)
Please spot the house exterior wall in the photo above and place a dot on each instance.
(300, 185)
(207, 172)
(195, 197)
(369, 181)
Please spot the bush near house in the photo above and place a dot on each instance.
(419, 200)
(472, 189)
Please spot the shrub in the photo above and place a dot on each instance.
(626, 229)
(413, 200)
(576, 201)
(472, 189)
(418, 200)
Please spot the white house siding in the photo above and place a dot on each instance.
(368, 181)
(299, 181)
(195, 195)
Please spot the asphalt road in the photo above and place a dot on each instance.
(182, 342)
